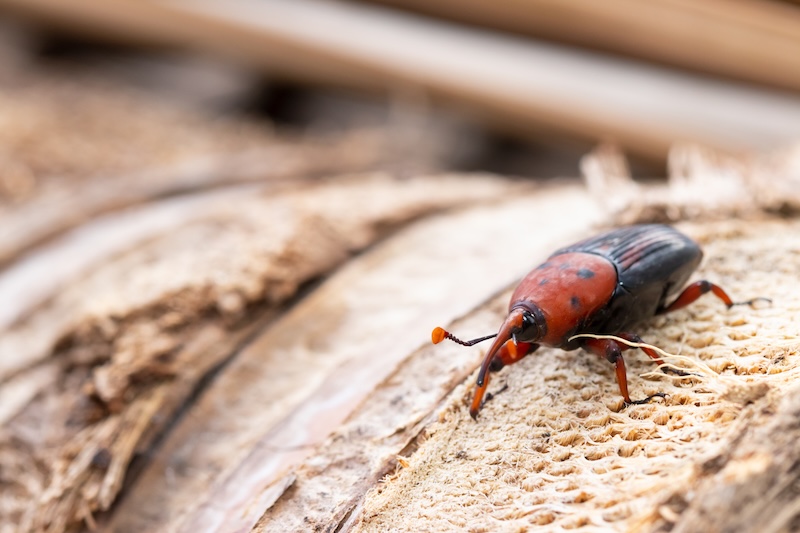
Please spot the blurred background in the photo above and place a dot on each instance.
(517, 87)
(213, 216)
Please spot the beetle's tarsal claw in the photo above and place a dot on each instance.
(646, 400)
(679, 372)
(752, 302)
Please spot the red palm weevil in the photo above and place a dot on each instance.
(602, 285)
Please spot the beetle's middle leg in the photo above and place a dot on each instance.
(652, 354)
(699, 288)
(612, 351)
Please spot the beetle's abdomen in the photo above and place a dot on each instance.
(569, 289)
(653, 261)
(649, 253)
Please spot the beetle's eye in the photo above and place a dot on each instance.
(529, 330)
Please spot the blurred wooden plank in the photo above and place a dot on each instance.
(69, 132)
(523, 86)
(65, 204)
(701, 183)
(752, 40)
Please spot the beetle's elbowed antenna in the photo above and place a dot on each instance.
(439, 334)
(512, 323)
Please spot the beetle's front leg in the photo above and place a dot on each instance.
(511, 353)
(508, 354)
(612, 351)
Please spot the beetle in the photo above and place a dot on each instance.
(601, 285)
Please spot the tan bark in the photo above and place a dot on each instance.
(211, 326)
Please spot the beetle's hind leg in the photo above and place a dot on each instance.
(612, 351)
(699, 288)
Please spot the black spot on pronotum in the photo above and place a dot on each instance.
(575, 302)
(585, 273)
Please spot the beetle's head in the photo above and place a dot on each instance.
(524, 323)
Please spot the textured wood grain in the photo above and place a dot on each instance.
(132, 339)
(751, 484)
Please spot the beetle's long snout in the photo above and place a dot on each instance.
(512, 323)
